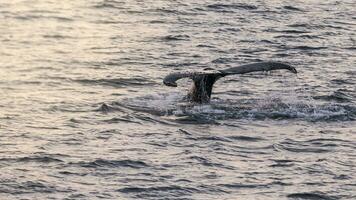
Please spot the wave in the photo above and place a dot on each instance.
(117, 82)
(35, 159)
(176, 37)
(27, 187)
(110, 4)
(342, 81)
(228, 7)
(310, 196)
(337, 96)
(100, 163)
(287, 31)
(207, 163)
(308, 146)
(304, 47)
(43, 17)
(292, 8)
(159, 191)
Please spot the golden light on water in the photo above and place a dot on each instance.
(84, 113)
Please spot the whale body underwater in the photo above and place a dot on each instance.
(204, 80)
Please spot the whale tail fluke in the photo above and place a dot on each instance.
(204, 80)
(255, 67)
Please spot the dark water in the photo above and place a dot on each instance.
(264, 136)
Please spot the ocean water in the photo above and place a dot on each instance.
(84, 113)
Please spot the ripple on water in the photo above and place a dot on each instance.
(34, 159)
(159, 191)
(220, 7)
(283, 163)
(176, 37)
(110, 5)
(292, 8)
(117, 82)
(318, 145)
(103, 163)
(28, 187)
(246, 138)
(310, 196)
(208, 163)
(341, 96)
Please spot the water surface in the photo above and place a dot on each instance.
(263, 136)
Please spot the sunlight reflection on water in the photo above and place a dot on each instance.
(84, 113)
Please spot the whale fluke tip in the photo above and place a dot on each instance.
(294, 70)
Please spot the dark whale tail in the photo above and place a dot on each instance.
(205, 79)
